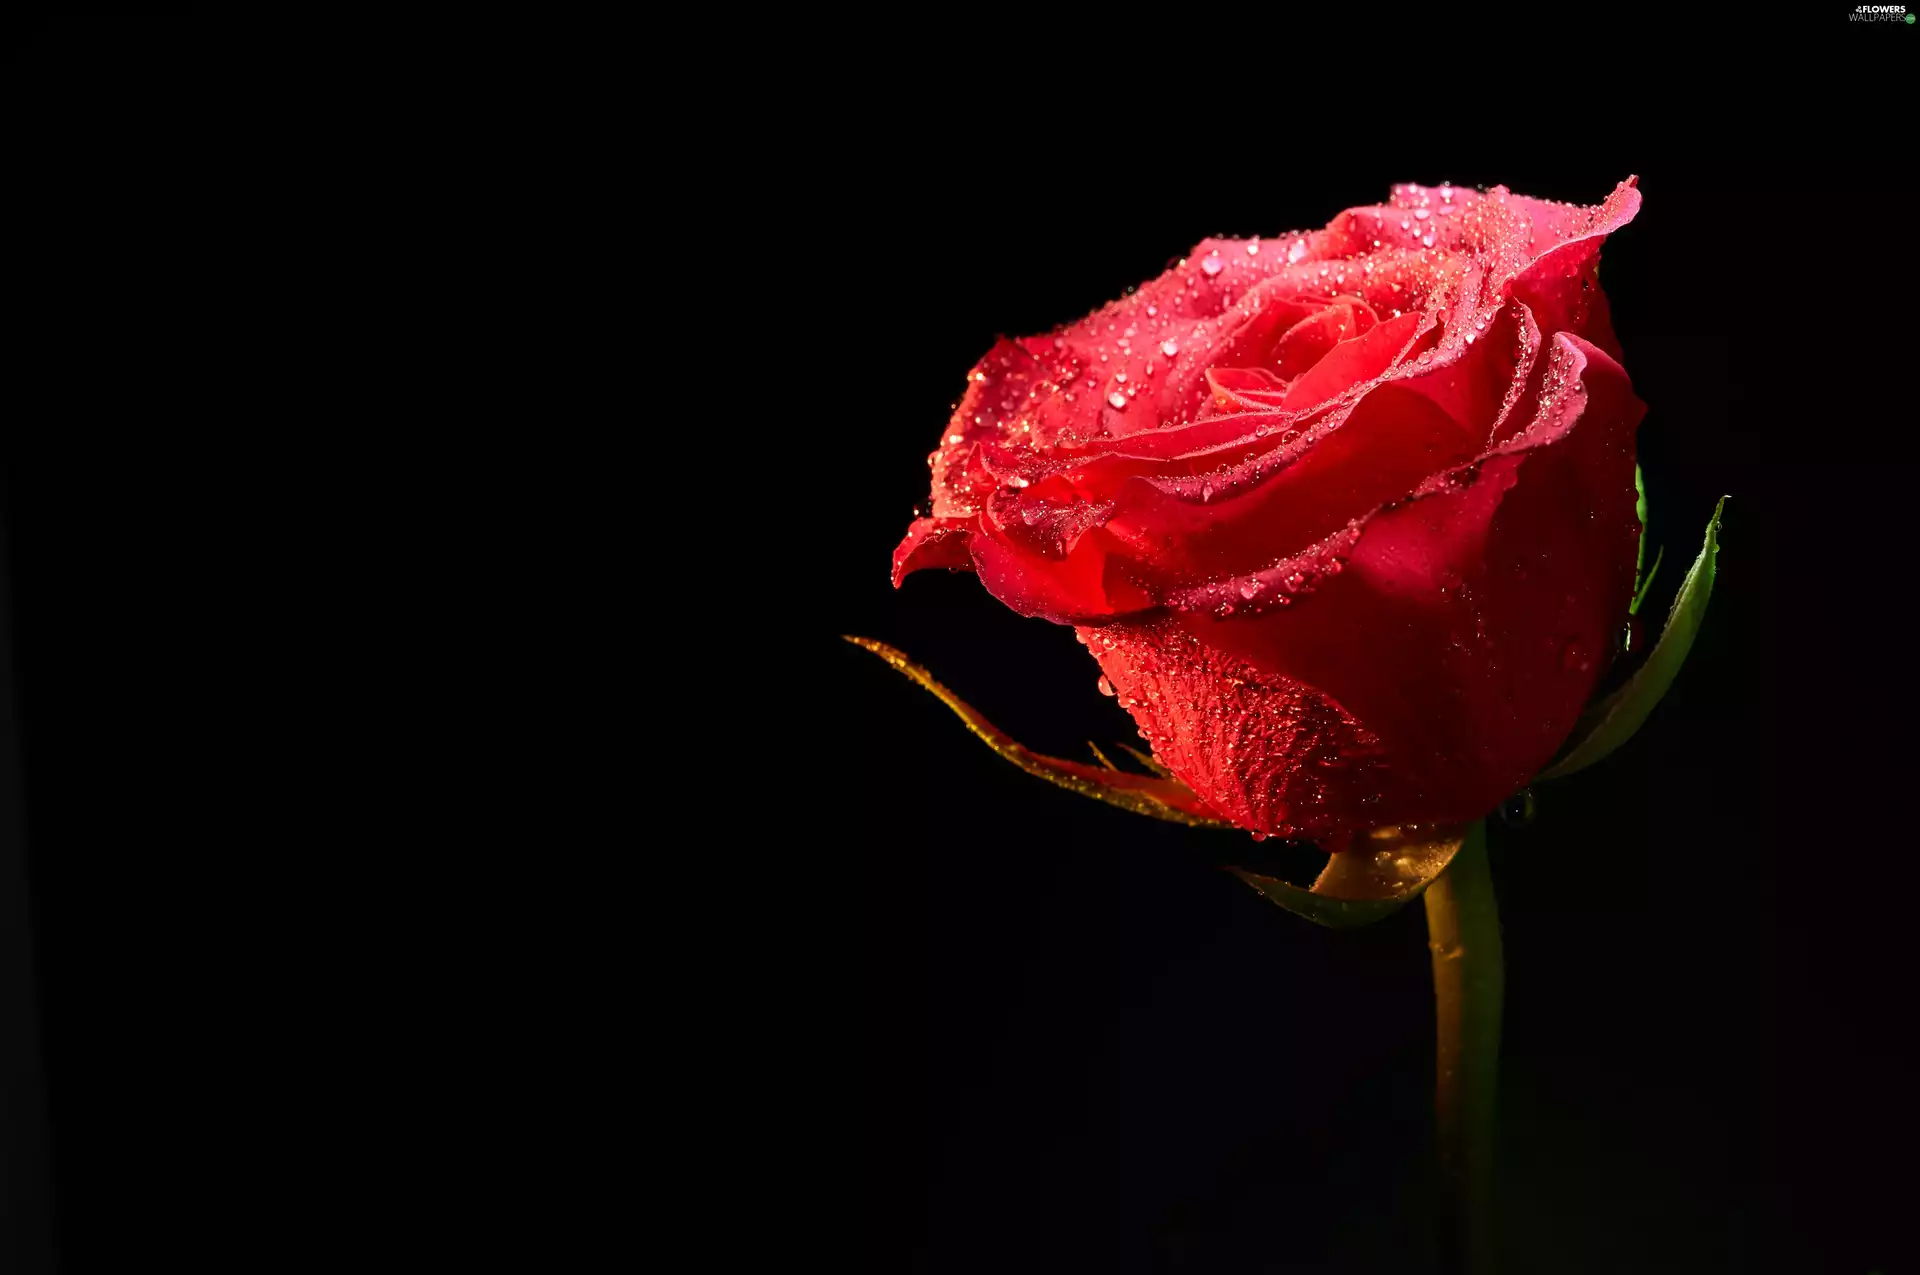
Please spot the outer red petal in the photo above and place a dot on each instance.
(1440, 665)
(933, 542)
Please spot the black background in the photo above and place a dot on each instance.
(1087, 1048)
(951, 1019)
(105, 321)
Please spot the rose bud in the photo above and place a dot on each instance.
(1347, 516)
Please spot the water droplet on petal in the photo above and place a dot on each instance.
(1250, 588)
(1518, 810)
(1421, 214)
(1253, 247)
(1118, 400)
(1106, 687)
(1212, 265)
(1169, 348)
(1206, 491)
(1152, 310)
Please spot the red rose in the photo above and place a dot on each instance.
(1346, 516)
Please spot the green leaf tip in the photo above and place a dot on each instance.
(1612, 721)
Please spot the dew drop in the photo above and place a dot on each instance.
(1106, 687)
(1212, 265)
(1250, 588)
(1518, 810)
(1206, 491)
(1118, 400)
(1169, 348)
(1421, 214)
(1253, 247)
(1152, 310)
(1259, 836)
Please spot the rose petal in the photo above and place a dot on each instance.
(1251, 515)
(1285, 722)
(933, 542)
(1308, 341)
(1353, 361)
(1086, 585)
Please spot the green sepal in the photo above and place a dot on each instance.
(1640, 593)
(1611, 722)
(1642, 578)
(1379, 874)
(1640, 512)
(1158, 796)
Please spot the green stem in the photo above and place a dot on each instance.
(1469, 981)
